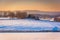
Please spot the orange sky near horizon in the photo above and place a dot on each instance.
(29, 5)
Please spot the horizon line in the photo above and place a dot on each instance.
(30, 10)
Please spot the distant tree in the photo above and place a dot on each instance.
(11, 15)
(5, 14)
(29, 16)
(57, 19)
(21, 15)
(0, 15)
(33, 16)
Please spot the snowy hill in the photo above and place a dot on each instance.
(28, 25)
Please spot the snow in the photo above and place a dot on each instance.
(27, 24)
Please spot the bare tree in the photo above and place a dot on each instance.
(21, 15)
(57, 19)
(11, 15)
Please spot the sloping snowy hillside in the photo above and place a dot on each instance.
(28, 25)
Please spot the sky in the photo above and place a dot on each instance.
(42, 5)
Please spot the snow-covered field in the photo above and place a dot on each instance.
(28, 25)
(30, 36)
